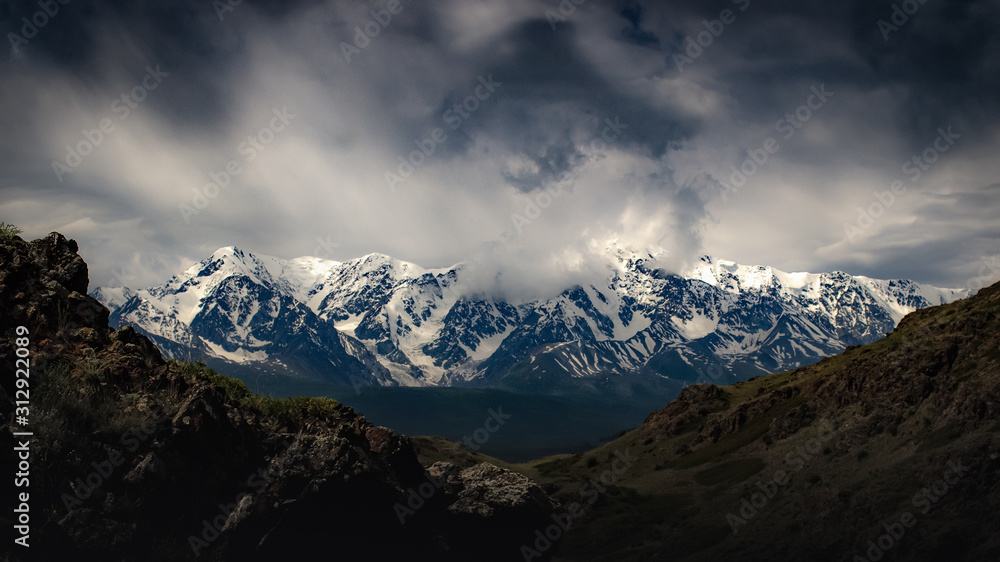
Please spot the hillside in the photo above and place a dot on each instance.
(812, 463)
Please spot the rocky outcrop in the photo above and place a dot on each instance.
(44, 284)
(694, 403)
(725, 423)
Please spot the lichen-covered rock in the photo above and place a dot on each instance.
(487, 490)
(43, 286)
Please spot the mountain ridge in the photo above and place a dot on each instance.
(388, 322)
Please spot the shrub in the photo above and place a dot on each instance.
(235, 389)
(298, 408)
(8, 231)
(290, 411)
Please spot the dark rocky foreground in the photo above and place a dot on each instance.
(136, 458)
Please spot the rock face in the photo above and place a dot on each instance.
(505, 498)
(137, 458)
(694, 402)
(45, 283)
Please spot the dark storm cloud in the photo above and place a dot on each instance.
(632, 12)
(184, 37)
(550, 103)
(941, 58)
(548, 69)
(659, 182)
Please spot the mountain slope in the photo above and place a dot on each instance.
(899, 437)
(248, 312)
(380, 321)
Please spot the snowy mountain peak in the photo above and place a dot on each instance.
(388, 321)
(628, 256)
(228, 251)
(113, 297)
(381, 264)
(731, 276)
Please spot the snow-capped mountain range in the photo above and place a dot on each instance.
(380, 321)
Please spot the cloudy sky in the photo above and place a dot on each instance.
(856, 136)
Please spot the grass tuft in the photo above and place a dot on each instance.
(289, 411)
(8, 231)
